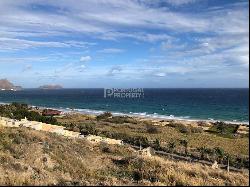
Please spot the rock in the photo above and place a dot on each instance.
(51, 87)
(215, 165)
(146, 152)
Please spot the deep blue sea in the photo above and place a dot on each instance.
(198, 104)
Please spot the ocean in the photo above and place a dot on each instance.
(231, 105)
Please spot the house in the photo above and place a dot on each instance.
(50, 112)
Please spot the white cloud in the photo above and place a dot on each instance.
(180, 2)
(96, 19)
(211, 40)
(140, 36)
(160, 74)
(114, 70)
(111, 50)
(18, 44)
(8, 60)
(85, 58)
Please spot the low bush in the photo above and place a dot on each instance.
(121, 120)
(184, 129)
(86, 129)
(105, 115)
(123, 161)
(106, 150)
(196, 129)
(223, 128)
(152, 129)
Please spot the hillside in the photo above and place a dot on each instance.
(29, 157)
(7, 85)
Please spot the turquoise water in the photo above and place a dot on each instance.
(205, 104)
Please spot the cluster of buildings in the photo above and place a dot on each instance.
(60, 130)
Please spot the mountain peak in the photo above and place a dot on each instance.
(5, 84)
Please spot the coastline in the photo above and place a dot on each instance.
(139, 115)
(142, 115)
(147, 116)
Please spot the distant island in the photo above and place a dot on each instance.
(51, 87)
(7, 85)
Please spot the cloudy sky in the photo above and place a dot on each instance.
(125, 43)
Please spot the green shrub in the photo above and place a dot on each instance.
(157, 144)
(223, 128)
(105, 115)
(137, 176)
(5, 142)
(196, 129)
(120, 119)
(106, 150)
(87, 129)
(152, 129)
(184, 129)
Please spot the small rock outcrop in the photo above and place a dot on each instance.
(51, 87)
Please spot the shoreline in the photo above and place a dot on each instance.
(140, 115)
(151, 117)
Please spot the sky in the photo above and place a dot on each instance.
(125, 43)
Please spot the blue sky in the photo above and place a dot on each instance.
(125, 43)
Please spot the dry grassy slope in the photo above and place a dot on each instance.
(29, 157)
(235, 146)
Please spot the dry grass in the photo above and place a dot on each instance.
(181, 173)
(234, 146)
(29, 157)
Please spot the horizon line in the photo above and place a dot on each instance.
(143, 88)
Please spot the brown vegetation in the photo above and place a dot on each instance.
(29, 157)
(195, 136)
